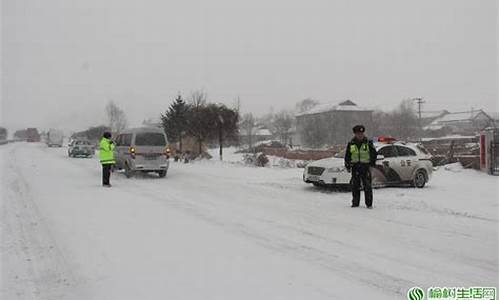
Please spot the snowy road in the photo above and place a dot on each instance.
(216, 230)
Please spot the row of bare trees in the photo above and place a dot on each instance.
(279, 124)
(401, 123)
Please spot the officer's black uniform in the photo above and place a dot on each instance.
(360, 171)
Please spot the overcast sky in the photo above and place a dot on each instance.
(62, 60)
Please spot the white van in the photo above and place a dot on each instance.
(142, 150)
(55, 138)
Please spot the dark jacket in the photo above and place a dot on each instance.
(373, 151)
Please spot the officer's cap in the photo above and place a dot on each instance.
(358, 128)
(107, 134)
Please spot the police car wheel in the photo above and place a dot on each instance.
(420, 178)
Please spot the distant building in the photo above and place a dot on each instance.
(464, 123)
(258, 134)
(263, 134)
(430, 116)
(331, 124)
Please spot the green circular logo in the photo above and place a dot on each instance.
(416, 293)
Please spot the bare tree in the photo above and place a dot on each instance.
(117, 120)
(248, 126)
(198, 98)
(400, 123)
(305, 105)
(198, 121)
(382, 124)
(266, 120)
(405, 121)
(281, 124)
(313, 131)
(225, 126)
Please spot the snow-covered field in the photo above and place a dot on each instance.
(216, 230)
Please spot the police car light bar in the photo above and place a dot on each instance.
(386, 139)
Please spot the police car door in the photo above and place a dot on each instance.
(390, 165)
(408, 161)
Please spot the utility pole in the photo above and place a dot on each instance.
(420, 102)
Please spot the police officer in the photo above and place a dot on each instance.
(360, 155)
(107, 157)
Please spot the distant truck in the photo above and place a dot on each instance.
(55, 138)
(32, 135)
(3, 134)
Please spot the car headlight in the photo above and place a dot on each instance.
(336, 169)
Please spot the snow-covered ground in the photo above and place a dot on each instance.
(216, 230)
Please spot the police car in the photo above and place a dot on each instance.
(397, 164)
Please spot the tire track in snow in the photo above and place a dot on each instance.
(279, 243)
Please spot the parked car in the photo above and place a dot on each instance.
(55, 138)
(142, 150)
(397, 164)
(80, 148)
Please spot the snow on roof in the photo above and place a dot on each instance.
(465, 116)
(433, 127)
(257, 132)
(263, 132)
(493, 115)
(449, 137)
(459, 116)
(433, 114)
(347, 105)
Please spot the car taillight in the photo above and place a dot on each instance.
(167, 152)
(131, 150)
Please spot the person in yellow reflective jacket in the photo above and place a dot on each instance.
(107, 157)
(360, 155)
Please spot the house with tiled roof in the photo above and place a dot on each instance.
(467, 122)
(430, 116)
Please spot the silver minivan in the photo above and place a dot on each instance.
(142, 150)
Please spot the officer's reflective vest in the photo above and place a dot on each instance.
(106, 154)
(360, 155)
